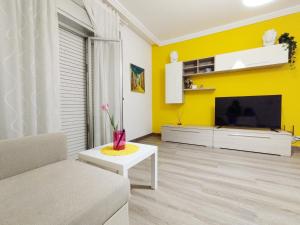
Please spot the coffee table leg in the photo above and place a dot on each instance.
(123, 172)
(154, 171)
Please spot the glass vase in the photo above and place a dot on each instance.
(119, 140)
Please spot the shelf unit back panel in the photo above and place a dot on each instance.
(198, 66)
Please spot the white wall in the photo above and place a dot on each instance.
(137, 106)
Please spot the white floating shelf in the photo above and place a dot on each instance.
(202, 73)
(200, 89)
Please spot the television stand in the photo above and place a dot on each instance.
(275, 142)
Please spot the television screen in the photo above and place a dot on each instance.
(249, 111)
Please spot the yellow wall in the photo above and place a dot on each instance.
(198, 108)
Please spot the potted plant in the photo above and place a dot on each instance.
(118, 135)
(291, 47)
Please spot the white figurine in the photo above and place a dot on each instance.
(174, 56)
(269, 37)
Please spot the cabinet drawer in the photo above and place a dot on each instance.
(188, 136)
(264, 143)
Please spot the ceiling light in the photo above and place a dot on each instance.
(254, 3)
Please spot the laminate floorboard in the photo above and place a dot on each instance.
(205, 186)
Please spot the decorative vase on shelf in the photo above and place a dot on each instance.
(173, 56)
(188, 84)
(119, 140)
(269, 37)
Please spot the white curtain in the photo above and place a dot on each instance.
(106, 68)
(29, 102)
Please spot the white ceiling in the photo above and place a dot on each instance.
(170, 20)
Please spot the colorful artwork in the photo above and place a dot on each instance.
(137, 79)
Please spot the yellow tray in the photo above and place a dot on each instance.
(129, 149)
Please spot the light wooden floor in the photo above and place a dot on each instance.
(198, 185)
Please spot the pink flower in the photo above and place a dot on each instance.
(105, 107)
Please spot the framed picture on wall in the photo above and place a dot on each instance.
(137, 79)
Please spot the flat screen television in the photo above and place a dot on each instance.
(249, 111)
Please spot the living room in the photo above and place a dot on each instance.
(121, 112)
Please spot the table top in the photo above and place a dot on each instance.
(95, 156)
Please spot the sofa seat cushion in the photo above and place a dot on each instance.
(66, 192)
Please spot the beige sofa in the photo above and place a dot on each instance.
(39, 186)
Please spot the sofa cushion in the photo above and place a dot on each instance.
(24, 154)
(66, 192)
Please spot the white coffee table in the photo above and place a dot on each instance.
(123, 163)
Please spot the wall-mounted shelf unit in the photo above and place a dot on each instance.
(268, 56)
(235, 61)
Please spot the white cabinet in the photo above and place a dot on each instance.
(254, 140)
(188, 135)
(174, 83)
(257, 57)
(270, 142)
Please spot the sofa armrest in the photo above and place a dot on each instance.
(24, 154)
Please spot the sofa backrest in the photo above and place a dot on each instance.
(23, 154)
